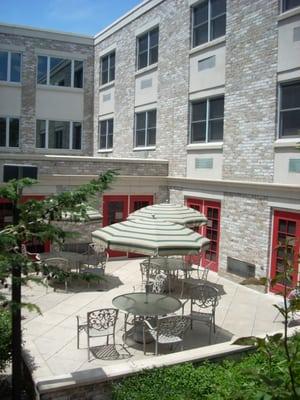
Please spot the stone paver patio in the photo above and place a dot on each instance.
(50, 338)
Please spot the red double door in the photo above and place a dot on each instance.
(117, 208)
(212, 211)
(286, 231)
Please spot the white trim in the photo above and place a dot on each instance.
(126, 19)
(203, 194)
(105, 150)
(103, 117)
(107, 85)
(205, 146)
(286, 205)
(107, 50)
(285, 76)
(60, 54)
(208, 45)
(11, 84)
(288, 14)
(22, 30)
(145, 70)
(147, 27)
(211, 92)
(68, 89)
(288, 142)
(144, 148)
(146, 107)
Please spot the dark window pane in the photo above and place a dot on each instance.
(29, 172)
(290, 123)
(2, 132)
(10, 172)
(13, 132)
(282, 225)
(59, 135)
(102, 142)
(200, 13)
(288, 4)
(200, 35)
(110, 141)
(40, 133)
(15, 67)
(140, 120)
(198, 132)
(42, 70)
(151, 119)
(216, 108)
(217, 27)
(143, 43)
(290, 96)
(154, 38)
(142, 60)
(140, 138)
(112, 74)
(78, 74)
(60, 72)
(217, 7)
(3, 65)
(77, 135)
(110, 127)
(199, 111)
(103, 128)
(104, 77)
(104, 63)
(151, 137)
(153, 55)
(291, 228)
(215, 130)
(112, 59)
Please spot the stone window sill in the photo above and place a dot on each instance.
(107, 85)
(60, 88)
(144, 148)
(101, 151)
(205, 146)
(208, 45)
(289, 13)
(149, 68)
(289, 142)
(12, 84)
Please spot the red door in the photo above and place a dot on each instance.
(212, 211)
(115, 209)
(286, 227)
(136, 202)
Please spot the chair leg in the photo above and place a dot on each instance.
(156, 347)
(88, 347)
(77, 338)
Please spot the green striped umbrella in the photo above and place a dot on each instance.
(176, 213)
(150, 237)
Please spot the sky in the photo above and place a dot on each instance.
(86, 17)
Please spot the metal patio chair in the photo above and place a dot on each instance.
(159, 284)
(204, 300)
(99, 323)
(168, 330)
(57, 268)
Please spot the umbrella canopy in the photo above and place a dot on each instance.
(150, 237)
(176, 213)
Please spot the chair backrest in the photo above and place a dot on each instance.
(174, 325)
(159, 284)
(204, 296)
(205, 271)
(59, 262)
(143, 269)
(102, 319)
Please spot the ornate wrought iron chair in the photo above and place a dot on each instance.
(159, 285)
(96, 257)
(169, 330)
(57, 268)
(99, 323)
(204, 300)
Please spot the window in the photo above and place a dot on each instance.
(9, 132)
(145, 128)
(19, 172)
(147, 49)
(289, 4)
(208, 20)
(10, 66)
(108, 68)
(207, 117)
(289, 121)
(58, 135)
(57, 71)
(106, 129)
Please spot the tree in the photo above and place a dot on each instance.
(32, 222)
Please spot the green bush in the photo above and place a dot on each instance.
(5, 338)
(255, 377)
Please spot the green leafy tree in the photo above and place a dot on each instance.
(32, 221)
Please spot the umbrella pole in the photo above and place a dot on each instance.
(147, 275)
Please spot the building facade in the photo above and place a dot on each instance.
(194, 101)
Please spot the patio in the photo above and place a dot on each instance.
(50, 338)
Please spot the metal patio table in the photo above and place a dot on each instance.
(75, 259)
(141, 304)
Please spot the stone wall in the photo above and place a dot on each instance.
(250, 90)
(173, 75)
(28, 79)
(245, 231)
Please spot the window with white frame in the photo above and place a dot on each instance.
(107, 68)
(9, 132)
(58, 134)
(106, 129)
(147, 48)
(145, 128)
(57, 71)
(10, 66)
(289, 4)
(207, 119)
(208, 21)
(289, 109)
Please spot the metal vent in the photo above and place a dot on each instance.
(146, 83)
(106, 97)
(294, 165)
(207, 63)
(204, 163)
(240, 268)
(296, 36)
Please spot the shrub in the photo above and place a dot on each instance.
(252, 378)
(5, 338)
